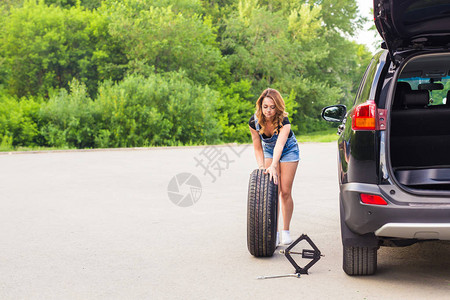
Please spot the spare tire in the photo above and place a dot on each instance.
(261, 214)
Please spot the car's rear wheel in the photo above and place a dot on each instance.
(261, 214)
(360, 260)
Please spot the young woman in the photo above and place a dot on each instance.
(276, 150)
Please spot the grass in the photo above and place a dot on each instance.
(325, 136)
(32, 148)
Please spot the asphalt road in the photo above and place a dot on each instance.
(111, 225)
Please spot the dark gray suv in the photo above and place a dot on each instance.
(394, 144)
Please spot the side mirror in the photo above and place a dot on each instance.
(334, 113)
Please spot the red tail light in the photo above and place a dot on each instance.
(372, 199)
(364, 116)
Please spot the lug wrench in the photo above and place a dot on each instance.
(296, 275)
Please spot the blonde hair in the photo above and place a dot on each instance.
(280, 112)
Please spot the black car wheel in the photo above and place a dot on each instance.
(261, 214)
(359, 251)
(360, 260)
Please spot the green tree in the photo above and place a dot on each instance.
(284, 45)
(158, 40)
(92, 73)
(68, 3)
(44, 47)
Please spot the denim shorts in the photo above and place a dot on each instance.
(290, 152)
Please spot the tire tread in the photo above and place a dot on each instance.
(360, 260)
(261, 214)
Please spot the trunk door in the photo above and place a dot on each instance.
(413, 24)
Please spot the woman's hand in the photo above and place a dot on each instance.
(272, 170)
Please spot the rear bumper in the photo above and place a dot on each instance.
(419, 218)
(421, 231)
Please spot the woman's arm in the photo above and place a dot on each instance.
(257, 146)
(281, 141)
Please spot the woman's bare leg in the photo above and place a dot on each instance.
(287, 174)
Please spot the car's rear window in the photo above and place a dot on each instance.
(437, 97)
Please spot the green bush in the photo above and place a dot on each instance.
(67, 119)
(235, 108)
(18, 121)
(157, 110)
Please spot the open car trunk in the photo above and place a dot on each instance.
(420, 113)
(408, 24)
(420, 124)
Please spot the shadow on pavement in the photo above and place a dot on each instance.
(420, 264)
